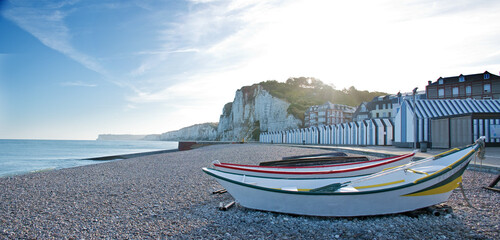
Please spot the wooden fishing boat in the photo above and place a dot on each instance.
(321, 155)
(313, 161)
(412, 186)
(324, 171)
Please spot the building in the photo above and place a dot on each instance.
(444, 123)
(475, 86)
(328, 114)
(383, 106)
(362, 112)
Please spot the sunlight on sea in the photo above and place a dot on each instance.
(23, 156)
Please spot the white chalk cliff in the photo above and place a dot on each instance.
(204, 131)
(252, 111)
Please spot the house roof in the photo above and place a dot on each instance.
(450, 107)
(467, 78)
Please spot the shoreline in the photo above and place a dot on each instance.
(97, 160)
(130, 155)
(166, 195)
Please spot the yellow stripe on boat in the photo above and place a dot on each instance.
(449, 167)
(298, 190)
(379, 185)
(442, 189)
(392, 167)
(416, 171)
(449, 151)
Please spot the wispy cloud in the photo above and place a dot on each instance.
(47, 24)
(78, 84)
(230, 43)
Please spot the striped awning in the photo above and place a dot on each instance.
(449, 107)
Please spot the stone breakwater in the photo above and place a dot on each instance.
(167, 196)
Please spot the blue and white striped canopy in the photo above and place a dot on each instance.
(449, 107)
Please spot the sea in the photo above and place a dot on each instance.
(25, 156)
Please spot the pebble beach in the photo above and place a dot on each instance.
(167, 196)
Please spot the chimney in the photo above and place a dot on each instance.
(429, 82)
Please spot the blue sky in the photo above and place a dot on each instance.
(74, 69)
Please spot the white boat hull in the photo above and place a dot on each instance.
(403, 189)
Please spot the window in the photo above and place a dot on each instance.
(486, 76)
(487, 88)
(461, 79)
(455, 91)
(440, 81)
(383, 106)
(468, 90)
(441, 93)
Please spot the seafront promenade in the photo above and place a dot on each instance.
(167, 196)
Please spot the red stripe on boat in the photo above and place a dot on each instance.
(316, 172)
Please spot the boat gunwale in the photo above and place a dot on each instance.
(319, 172)
(286, 178)
(320, 166)
(447, 169)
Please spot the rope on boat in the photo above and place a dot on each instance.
(465, 197)
(482, 148)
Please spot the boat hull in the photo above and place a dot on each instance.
(376, 196)
(341, 205)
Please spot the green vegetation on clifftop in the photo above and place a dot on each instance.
(303, 92)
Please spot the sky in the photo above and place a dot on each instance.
(75, 69)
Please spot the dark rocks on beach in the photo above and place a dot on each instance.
(167, 196)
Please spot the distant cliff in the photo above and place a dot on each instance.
(120, 137)
(254, 110)
(204, 131)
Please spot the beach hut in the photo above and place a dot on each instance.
(307, 135)
(298, 136)
(302, 136)
(322, 132)
(446, 123)
(362, 133)
(333, 135)
(295, 135)
(380, 132)
(353, 133)
(389, 131)
(370, 132)
(345, 134)
(340, 134)
(328, 134)
(315, 135)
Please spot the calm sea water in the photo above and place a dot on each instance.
(23, 156)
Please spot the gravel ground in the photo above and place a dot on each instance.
(167, 196)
